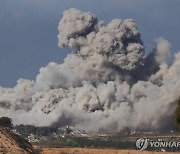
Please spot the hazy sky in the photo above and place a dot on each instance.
(28, 29)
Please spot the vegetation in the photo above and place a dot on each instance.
(26, 130)
(98, 143)
(85, 142)
(5, 122)
(177, 115)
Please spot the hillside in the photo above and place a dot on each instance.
(11, 143)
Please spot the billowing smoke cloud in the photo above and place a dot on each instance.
(107, 83)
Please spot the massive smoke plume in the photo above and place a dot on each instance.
(108, 82)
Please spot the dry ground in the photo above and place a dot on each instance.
(97, 151)
(11, 143)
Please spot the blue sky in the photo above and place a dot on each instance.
(28, 29)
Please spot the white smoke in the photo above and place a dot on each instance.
(107, 83)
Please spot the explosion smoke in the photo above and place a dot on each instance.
(107, 83)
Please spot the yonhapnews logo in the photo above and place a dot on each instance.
(144, 143)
